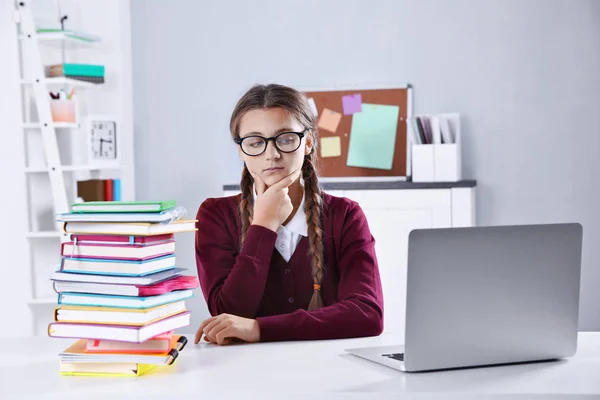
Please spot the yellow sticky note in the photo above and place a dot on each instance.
(329, 120)
(331, 147)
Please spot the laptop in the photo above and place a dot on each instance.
(491, 295)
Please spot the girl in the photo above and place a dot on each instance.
(284, 260)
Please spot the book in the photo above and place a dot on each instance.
(117, 316)
(76, 353)
(137, 229)
(166, 216)
(133, 252)
(71, 69)
(123, 206)
(166, 286)
(62, 276)
(136, 334)
(122, 239)
(104, 369)
(99, 300)
(117, 267)
(156, 345)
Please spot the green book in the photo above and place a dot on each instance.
(122, 206)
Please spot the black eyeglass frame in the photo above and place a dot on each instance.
(274, 139)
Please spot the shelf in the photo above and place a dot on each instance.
(74, 168)
(60, 125)
(69, 39)
(44, 234)
(50, 300)
(62, 81)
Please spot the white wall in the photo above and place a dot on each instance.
(525, 75)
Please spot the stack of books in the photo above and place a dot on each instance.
(120, 292)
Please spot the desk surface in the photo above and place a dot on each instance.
(29, 369)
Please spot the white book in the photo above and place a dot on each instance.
(117, 316)
(135, 252)
(131, 228)
(98, 300)
(134, 334)
(150, 279)
(117, 267)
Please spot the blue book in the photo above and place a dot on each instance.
(104, 300)
(116, 190)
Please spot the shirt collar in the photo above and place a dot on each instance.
(298, 223)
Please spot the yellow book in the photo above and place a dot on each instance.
(105, 369)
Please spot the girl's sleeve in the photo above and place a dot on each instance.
(359, 311)
(231, 283)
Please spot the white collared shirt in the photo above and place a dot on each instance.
(289, 236)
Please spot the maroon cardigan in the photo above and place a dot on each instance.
(257, 282)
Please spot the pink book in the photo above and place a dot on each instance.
(116, 250)
(178, 283)
(124, 239)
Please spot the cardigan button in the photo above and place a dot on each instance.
(291, 300)
(287, 271)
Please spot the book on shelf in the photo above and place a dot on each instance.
(99, 189)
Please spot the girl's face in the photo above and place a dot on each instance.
(273, 165)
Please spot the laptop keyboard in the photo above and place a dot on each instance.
(395, 356)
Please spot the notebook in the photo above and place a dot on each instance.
(156, 345)
(99, 300)
(117, 316)
(117, 251)
(176, 283)
(132, 228)
(123, 206)
(166, 216)
(135, 334)
(76, 354)
(62, 276)
(105, 369)
(117, 267)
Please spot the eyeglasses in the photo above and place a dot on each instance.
(286, 142)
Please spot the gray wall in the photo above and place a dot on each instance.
(524, 73)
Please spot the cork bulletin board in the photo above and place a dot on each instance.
(362, 132)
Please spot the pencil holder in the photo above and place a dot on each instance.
(63, 110)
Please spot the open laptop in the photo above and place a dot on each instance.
(488, 295)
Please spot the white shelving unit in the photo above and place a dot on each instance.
(55, 153)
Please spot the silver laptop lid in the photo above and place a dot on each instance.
(491, 295)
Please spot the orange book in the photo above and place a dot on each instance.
(160, 344)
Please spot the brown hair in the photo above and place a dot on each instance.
(295, 103)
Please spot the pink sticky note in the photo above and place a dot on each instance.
(352, 103)
(329, 120)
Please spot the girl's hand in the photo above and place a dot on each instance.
(225, 327)
(273, 205)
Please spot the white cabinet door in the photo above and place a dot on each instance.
(392, 214)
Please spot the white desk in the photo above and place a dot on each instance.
(29, 370)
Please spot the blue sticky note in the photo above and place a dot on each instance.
(373, 136)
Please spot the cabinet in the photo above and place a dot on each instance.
(392, 213)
